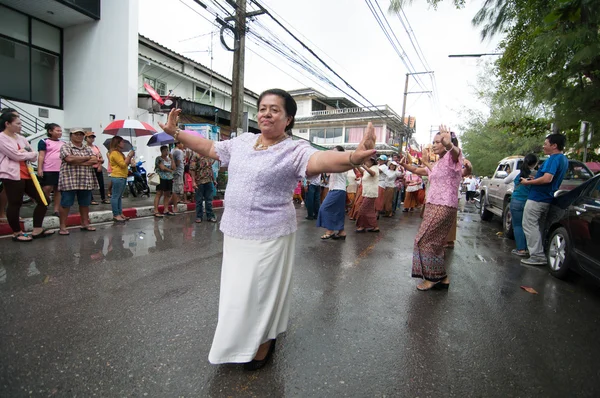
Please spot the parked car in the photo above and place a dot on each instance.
(494, 194)
(572, 237)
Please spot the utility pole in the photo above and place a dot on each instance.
(239, 55)
(406, 92)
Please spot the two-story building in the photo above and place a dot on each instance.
(331, 121)
(83, 64)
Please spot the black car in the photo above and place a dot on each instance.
(573, 231)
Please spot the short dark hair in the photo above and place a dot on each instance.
(49, 127)
(9, 110)
(339, 148)
(7, 117)
(164, 147)
(558, 139)
(289, 103)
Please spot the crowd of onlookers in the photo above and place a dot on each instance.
(74, 169)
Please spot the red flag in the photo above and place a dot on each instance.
(153, 94)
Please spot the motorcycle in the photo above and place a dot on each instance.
(137, 180)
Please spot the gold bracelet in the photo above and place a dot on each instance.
(176, 134)
(351, 162)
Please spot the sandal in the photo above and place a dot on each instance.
(94, 203)
(158, 215)
(338, 237)
(106, 202)
(64, 232)
(327, 236)
(360, 231)
(45, 233)
(170, 213)
(198, 220)
(373, 230)
(21, 237)
(87, 228)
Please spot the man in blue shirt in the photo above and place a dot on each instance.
(543, 186)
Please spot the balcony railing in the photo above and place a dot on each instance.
(380, 108)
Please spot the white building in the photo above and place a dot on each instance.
(330, 121)
(83, 64)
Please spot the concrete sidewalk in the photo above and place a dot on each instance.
(132, 207)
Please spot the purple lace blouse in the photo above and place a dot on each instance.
(260, 187)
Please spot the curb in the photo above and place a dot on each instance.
(96, 217)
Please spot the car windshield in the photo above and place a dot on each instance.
(576, 172)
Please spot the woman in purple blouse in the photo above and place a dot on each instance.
(259, 224)
(440, 211)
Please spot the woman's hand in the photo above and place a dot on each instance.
(366, 147)
(171, 126)
(446, 135)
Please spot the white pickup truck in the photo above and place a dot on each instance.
(494, 194)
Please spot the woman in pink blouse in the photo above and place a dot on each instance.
(440, 211)
(15, 152)
(259, 224)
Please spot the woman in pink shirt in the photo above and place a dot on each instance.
(14, 153)
(440, 211)
(49, 162)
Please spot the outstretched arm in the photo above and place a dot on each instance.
(195, 143)
(337, 162)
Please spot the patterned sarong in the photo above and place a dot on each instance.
(428, 253)
(367, 216)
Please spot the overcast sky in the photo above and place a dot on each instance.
(345, 34)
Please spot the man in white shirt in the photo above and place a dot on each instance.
(471, 184)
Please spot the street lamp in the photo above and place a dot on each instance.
(471, 55)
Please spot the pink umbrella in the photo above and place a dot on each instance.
(129, 128)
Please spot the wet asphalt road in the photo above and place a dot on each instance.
(130, 310)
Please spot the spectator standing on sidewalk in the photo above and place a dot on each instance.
(3, 198)
(201, 169)
(49, 163)
(14, 153)
(164, 166)
(118, 164)
(178, 158)
(90, 137)
(76, 178)
(543, 186)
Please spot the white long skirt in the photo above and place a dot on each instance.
(254, 302)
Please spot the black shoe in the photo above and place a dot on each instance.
(309, 218)
(256, 364)
(338, 237)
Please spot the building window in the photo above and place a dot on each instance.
(30, 56)
(203, 96)
(327, 136)
(317, 106)
(159, 86)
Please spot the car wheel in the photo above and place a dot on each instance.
(507, 222)
(484, 213)
(559, 253)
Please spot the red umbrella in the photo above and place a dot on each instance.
(129, 128)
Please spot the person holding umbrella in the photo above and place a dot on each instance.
(90, 137)
(118, 164)
(76, 179)
(16, 179)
